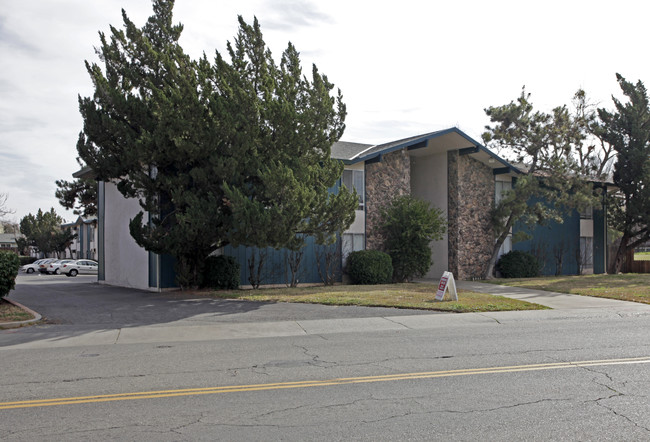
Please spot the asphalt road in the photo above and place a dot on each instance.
(542, 375)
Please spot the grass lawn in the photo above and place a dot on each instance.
(413, 296)
(628, 287)
(642, 256)
(11, 313)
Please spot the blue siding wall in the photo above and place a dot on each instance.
(600, 241)
(275, 269)
(167, 273)
(550, 237)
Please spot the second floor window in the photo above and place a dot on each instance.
(353, 180)
(587, 213)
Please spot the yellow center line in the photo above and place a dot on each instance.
(316, 383)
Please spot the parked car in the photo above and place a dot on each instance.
(54, 267)
(42, 266)
(79, 267)
(31, 268)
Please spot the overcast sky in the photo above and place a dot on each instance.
(405, 67)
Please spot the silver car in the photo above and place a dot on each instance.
(79, 267)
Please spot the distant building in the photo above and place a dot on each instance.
(84, 245)
(8, 242)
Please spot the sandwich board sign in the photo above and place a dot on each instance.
(447, 283)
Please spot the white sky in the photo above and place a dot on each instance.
(405, 67)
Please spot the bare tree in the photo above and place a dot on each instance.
(4, 210)
(558, 253)
(596, 156)
(293, 259)
(327, 259)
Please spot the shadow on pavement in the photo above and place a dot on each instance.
(72, 306)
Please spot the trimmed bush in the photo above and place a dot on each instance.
(370, 267)
(517, 264)
(9, 265)
(221, 272)
(408, 226)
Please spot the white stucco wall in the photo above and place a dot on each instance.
(125, 263)
(429, 183)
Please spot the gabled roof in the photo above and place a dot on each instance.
(347, 151)
(438, 141)
(8, 238)
(84, 172)
(80, 221)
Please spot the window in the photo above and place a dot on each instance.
(351, 242)
(587, 213)
(587, 251)
(353, 180)
(500, 188)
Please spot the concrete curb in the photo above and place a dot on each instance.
(17, 324)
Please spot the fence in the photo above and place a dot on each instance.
(632, 266)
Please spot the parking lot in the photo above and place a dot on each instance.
(42, 278)
(82, 301)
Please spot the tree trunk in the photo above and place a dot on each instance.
(497, 246)
(493, 260)
(617, 265)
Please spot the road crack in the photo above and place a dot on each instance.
(387, 318)
(617, 394)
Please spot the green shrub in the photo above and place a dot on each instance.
(24, 260)
(408, 226)
(517, 264)
(9, 265)
(369, 267)
(221, 272)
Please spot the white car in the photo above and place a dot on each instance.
(79, 267)
(55, 266)
(33, 267)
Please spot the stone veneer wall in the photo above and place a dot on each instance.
(470, 200)
(385, 180)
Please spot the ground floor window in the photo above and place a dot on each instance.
(351, 242)
(586, 251)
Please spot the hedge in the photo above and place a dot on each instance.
(221, 272)
(9, 265)
(370, 267)
(518, 264)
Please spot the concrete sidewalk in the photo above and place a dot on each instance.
(197, 324)
(554, 300)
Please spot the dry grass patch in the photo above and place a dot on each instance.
(628, 287)
(11, 313)
(411, 296)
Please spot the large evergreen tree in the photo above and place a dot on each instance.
(552, 179)
(286, 125)
(216, 152)
(79, 195)
(43, 231)
(627, 130)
